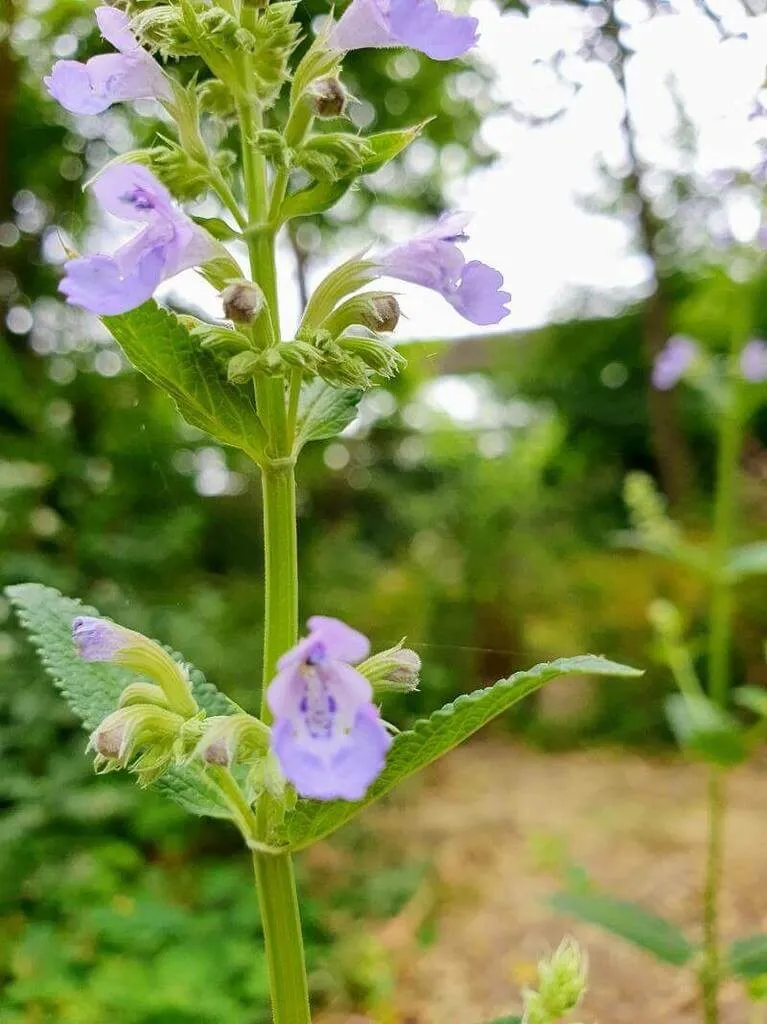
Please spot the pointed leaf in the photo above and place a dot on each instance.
(159, 345)
(386, 146)
(434, 736)
(325, 411)
(748, 957)
(631, 922)
(92, 689)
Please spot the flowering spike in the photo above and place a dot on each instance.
(753, 361)
(129, 74)
(673, 361)
(434, 260)
(168, 243)
(327, 735)
(420, 24)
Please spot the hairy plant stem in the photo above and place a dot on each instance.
(275, 880)
(719, 653)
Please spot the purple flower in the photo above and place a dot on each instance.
(419, 24)
(168, 243)
(753, 361)
(98, 639)
(327, 735)
(672, 362)
(434, 260)
(130, 74)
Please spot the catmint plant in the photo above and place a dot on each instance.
(714, 722)
(316, 748)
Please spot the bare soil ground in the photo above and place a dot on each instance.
(498, 822)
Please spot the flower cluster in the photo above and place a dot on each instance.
(109, 285)
(327, 734)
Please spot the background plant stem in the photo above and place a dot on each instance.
(719, 654)
(275, 880)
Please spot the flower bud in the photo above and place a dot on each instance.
(230, 738)
(394, 671)
(561, 985)
(329, 98)
(140, 736)
(100, 640)
(377, 311)
(243, 301)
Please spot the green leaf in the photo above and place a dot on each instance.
(163, 350)
(320, 196)
(434, 736)
(316, 198)
(706, 730)
(752, 697)
(749, 560)
(386, 146)
(324, 411)
(92, 689)
(218, 228)
(631, 922)
(748, 957)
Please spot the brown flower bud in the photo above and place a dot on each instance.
(243, 301)
(328, 97)
(386, 311)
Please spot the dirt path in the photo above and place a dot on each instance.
(500, 822)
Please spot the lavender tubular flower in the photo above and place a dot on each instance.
(169, 243)
(753, 361)
(129, 74)
(434, 260)
(673, 361)
(327, 735)
(419, 24)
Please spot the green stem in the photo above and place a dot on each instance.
(719, 656)
(274, 872)
(281, 624)
(282, 935)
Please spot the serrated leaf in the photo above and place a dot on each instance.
(92, 689)
(161, 348)
(749, 560)
(705, 730)
(432, 737)
(747, 958)
(631, 922)
(324, 411)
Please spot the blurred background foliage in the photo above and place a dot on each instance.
(474, 504)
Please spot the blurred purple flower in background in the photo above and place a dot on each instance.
(672, 362)
(327, 734)
(168, 243)
(420, 24)
(434, 260)
(753, 361)
(109, 78)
